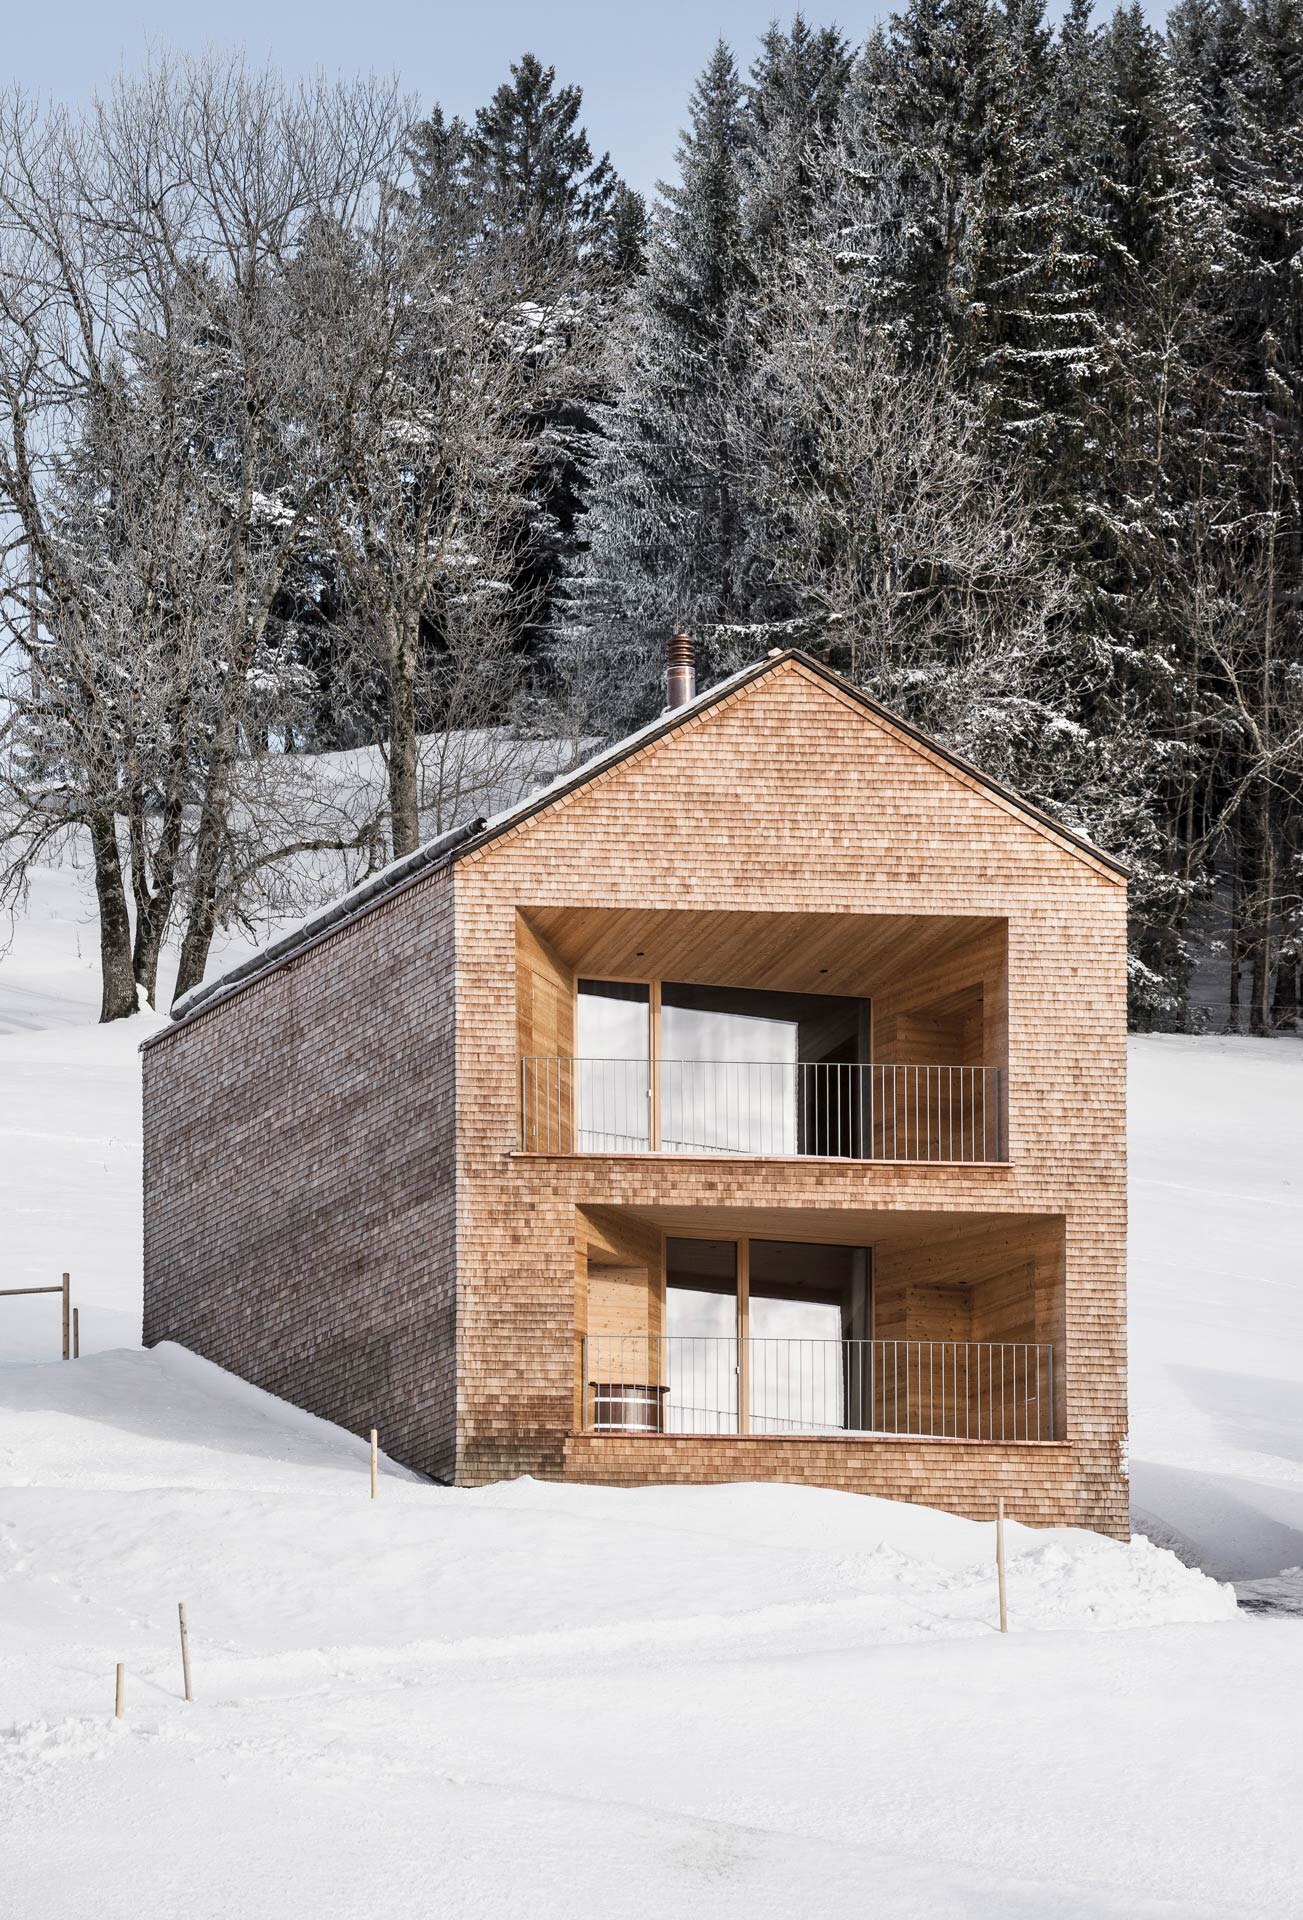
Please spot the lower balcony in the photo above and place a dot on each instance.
(769, 1324)
(989, 1391)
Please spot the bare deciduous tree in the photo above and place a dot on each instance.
(167, 444)
(426, 514)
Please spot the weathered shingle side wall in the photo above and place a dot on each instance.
(787, 799)
(300, 1224)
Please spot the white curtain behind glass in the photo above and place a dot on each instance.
(729, 1082)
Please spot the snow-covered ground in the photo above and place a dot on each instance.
(549, 1701)
(1216, 1300)
(527, 1699)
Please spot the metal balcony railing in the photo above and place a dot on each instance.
(856, 1110)
(997, 1391)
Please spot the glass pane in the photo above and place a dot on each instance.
(808, 1322)
(728, 1073)
(612, 1084)
(750, 1071)
(701, 1336)
(613, 1019)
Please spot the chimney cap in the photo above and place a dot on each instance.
(775, 653)
(680, 669)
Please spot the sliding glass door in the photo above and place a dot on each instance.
(767, 1337)
(701, 1336)
(809, 1323)
(748, 1071)
(678, 1068)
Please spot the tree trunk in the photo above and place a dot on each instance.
(202, 919)
(224, 746)
(117, 978)
(210, 841)
(151, 928)
(1265, 930)
(405, 826)
(1261, 984)
(1237, 936)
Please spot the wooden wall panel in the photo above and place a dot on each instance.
(1041, 1484)
(300, 1204)
(545, 1040)
(545, 996)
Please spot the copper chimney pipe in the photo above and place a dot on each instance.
(680, 669)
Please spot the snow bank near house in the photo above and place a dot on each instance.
(309, 1558)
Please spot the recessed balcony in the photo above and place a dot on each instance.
(799, 1035)
(891, 1324)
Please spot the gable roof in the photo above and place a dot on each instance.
(479, 832)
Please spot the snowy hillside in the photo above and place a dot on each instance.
(752, 1701)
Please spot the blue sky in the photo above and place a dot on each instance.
(634, 63)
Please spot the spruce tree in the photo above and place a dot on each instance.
(792, 105)
(519, 192)
(1264, 160)
(531, 169)
(666, 527)
(930, 90)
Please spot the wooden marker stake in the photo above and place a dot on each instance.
(185, 1649)
(999, 1561)
(76, 1333)
(120, 1692)
(375, 1463)
(67, 1327)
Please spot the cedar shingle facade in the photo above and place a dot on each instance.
(376, 1182)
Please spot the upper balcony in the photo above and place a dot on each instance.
(834, 1036)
